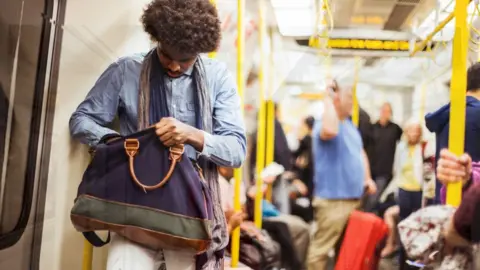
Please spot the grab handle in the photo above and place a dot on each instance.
(131, 148)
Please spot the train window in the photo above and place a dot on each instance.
(22, 73)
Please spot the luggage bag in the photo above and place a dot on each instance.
(364, 232)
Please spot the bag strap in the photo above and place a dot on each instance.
(95, 240)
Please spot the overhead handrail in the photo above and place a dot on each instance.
(419, 47)
(458, 87)
(260, 160)
(238, 173)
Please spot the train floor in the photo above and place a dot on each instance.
(384, 264)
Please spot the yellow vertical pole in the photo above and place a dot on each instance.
(235, 252)
(214, 53)
(457, 93)
(87, 247)
(261, 120)
(270, 149)
(423, 96)
(87, 255)
(355, 109)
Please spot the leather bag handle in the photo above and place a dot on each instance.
(131, 148)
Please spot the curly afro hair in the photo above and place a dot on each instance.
(473, 77)
(190, 26)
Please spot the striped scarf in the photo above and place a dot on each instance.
(148, 99)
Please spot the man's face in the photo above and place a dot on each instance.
(386, 112)
(344, 102)
(414, 133)
(173, 61)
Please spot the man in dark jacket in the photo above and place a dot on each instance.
(366, 131)
(282, 153)
(386, 134)
(439, 121)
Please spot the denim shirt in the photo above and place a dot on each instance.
(115, 94)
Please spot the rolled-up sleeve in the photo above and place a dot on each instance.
(227, 146)
(89, 122)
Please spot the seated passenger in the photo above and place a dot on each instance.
(278, 231)
(391, 219)
(189, 84)
(303, 168)
(438, 122)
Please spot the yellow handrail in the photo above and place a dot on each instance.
(440, 26)
(87, 247)
(270, 143)
(238, 173)
(214, 53)
(87, 255)
(355, 109)
(458, 87)
(260, 162)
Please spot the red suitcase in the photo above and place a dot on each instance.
(364, 232)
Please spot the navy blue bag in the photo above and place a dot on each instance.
(152, 195)
(145, 192)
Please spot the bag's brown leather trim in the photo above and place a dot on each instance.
(131, 148)
(148, 238)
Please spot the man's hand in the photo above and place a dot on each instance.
(173, 132)
(234, 218)
(451, 169)
(370, 187)
(300, 187)
(269, 179)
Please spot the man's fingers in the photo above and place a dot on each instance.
(450, 164)
(446, 154)
(465, 159)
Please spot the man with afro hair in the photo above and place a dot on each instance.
(200, 97)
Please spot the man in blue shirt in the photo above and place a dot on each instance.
(341, 173)
(194, 90)
(439, 122)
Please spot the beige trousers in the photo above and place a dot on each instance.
(331, 217)
(126, 255)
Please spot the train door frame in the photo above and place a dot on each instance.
(43, 109)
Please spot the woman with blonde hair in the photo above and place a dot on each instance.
(407, 183)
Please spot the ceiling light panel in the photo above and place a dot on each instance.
(294, 17)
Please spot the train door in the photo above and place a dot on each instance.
(26, 39)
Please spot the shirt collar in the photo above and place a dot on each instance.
(189, 71)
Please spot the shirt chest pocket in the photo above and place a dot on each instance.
(190, 106)
(187, 113)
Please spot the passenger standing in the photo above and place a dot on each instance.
(341, 175)
(439, 122)
(366, 131)
(282, 155)
(303, 168)
(386, 134)
(408, 169)
(182, 29)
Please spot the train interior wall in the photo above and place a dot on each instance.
(93, 38)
